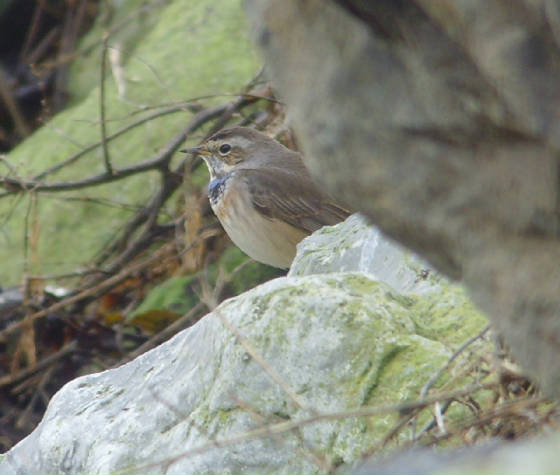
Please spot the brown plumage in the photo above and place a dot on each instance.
(263, 194)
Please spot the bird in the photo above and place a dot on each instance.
(263, 194)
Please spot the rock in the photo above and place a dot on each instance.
(200, 403)
(10, 299)
(439, 121)
(538, 456)
(361, 247)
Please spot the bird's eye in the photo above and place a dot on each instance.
(224, 149)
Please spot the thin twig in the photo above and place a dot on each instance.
(48, 360)
(43, 46)
(144, 238)
(39, 392)
(7, 163)
(430, 425)
(102, 123)
(118, 133)
(32, 31)
(437, 375)
(26, 238)
(68, 275)
(11, 105)
(68, 56)
(452, 358)
(98, 201)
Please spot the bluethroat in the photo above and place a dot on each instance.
(263, 194)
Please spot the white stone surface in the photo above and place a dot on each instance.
(337, 341)
(361, 247)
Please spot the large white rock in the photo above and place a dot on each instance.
(338, 341)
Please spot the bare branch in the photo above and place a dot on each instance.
(102, 122)
(157, 162)
(7, 97)
(118, 133)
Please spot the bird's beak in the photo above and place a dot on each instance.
(193, 150)
(196, 150)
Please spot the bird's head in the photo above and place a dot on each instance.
(238, 147)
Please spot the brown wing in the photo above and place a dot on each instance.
(283, 195)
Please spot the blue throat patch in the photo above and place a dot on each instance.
(216, 188)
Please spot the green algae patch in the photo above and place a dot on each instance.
(448, 316)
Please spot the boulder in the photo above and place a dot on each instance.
(269, 381)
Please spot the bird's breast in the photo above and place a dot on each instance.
(266, 240)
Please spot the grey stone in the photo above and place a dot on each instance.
(538, 456)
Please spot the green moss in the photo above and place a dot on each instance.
(223, 417)
(384, 364)
(447, 316)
